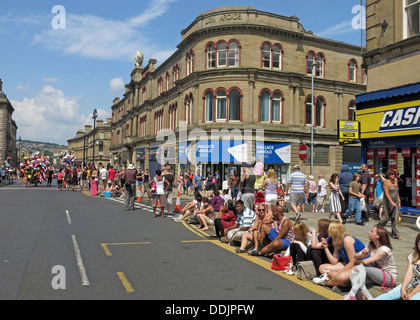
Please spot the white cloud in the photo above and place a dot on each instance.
(97, 37)
(341, 28)
(49, 116)
(51, 79)
(23, 87)
(117, 86)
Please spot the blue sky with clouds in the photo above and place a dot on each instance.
(56, 77)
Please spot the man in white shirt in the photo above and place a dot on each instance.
(322, 193)
(103, 174)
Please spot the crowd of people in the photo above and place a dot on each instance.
(250, 214)
(252, 218)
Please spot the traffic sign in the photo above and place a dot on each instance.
(303, 152)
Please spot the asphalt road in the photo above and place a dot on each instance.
(70, 246)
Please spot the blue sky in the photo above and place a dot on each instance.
(56, 77)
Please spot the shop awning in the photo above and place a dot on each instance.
(389, 93)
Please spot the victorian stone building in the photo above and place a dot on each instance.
(91, 145)
(8, 130)
(238, 88)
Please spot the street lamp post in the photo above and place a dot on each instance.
(94, 116)
(314, 65)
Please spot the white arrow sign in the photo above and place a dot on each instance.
(239, 152)
(284, 154)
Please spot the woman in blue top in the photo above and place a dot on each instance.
(379, 193)
(342, 260)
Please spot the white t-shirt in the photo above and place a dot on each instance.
(103, 173)
(388, 263)
(322, 187)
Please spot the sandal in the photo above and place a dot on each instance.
(239, 250)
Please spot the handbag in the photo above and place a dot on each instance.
(280, 262)
(306, 270)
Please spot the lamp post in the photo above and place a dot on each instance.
(94, 116)
(314, 65)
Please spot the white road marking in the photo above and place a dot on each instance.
(82, 270)
(68, 216)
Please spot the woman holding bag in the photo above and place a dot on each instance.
(392, 203)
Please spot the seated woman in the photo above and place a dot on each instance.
(258, 230)
(379, 268)
(342, 260)
(116, 192)
(315, 251)
(410, 287)
(109, 187)
(280, 234)
(298, 249)
(208, 211)
(191, 207)
(224, 220)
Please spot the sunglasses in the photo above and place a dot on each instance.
(261, 210)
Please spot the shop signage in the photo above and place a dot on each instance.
(393, 153)
(274, 153)
(184, 152)
(381, 153)
(221, 151)
(140, 154)
(406, 152)
(348, 131)
(400, 119)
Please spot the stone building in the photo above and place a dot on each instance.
(238, 88)
(92, 145)
(8, 129)
(389, 112)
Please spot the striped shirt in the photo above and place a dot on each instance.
(297, 181)
(246, 218)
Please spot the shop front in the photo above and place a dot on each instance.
(390, 135)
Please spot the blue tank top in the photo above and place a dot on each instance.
(358, 246)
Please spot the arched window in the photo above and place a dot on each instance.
(221, 55)
(168, 79)
(353, 70)
(277, 107)
(320, 67)
(271, 56)
(209, 106)
(320, 112)
(266, 55)
(189, 58)
(233, 54)
(310, 60)
(211, 56)
(308, 108)
(234, 105)
(189, 106)
(221, 105)
(265, 106)
(277, 57)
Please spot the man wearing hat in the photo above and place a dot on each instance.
(298, 185)
(130, 187)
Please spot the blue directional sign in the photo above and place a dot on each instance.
(276, 153)
(184, 152)
(218, 151)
